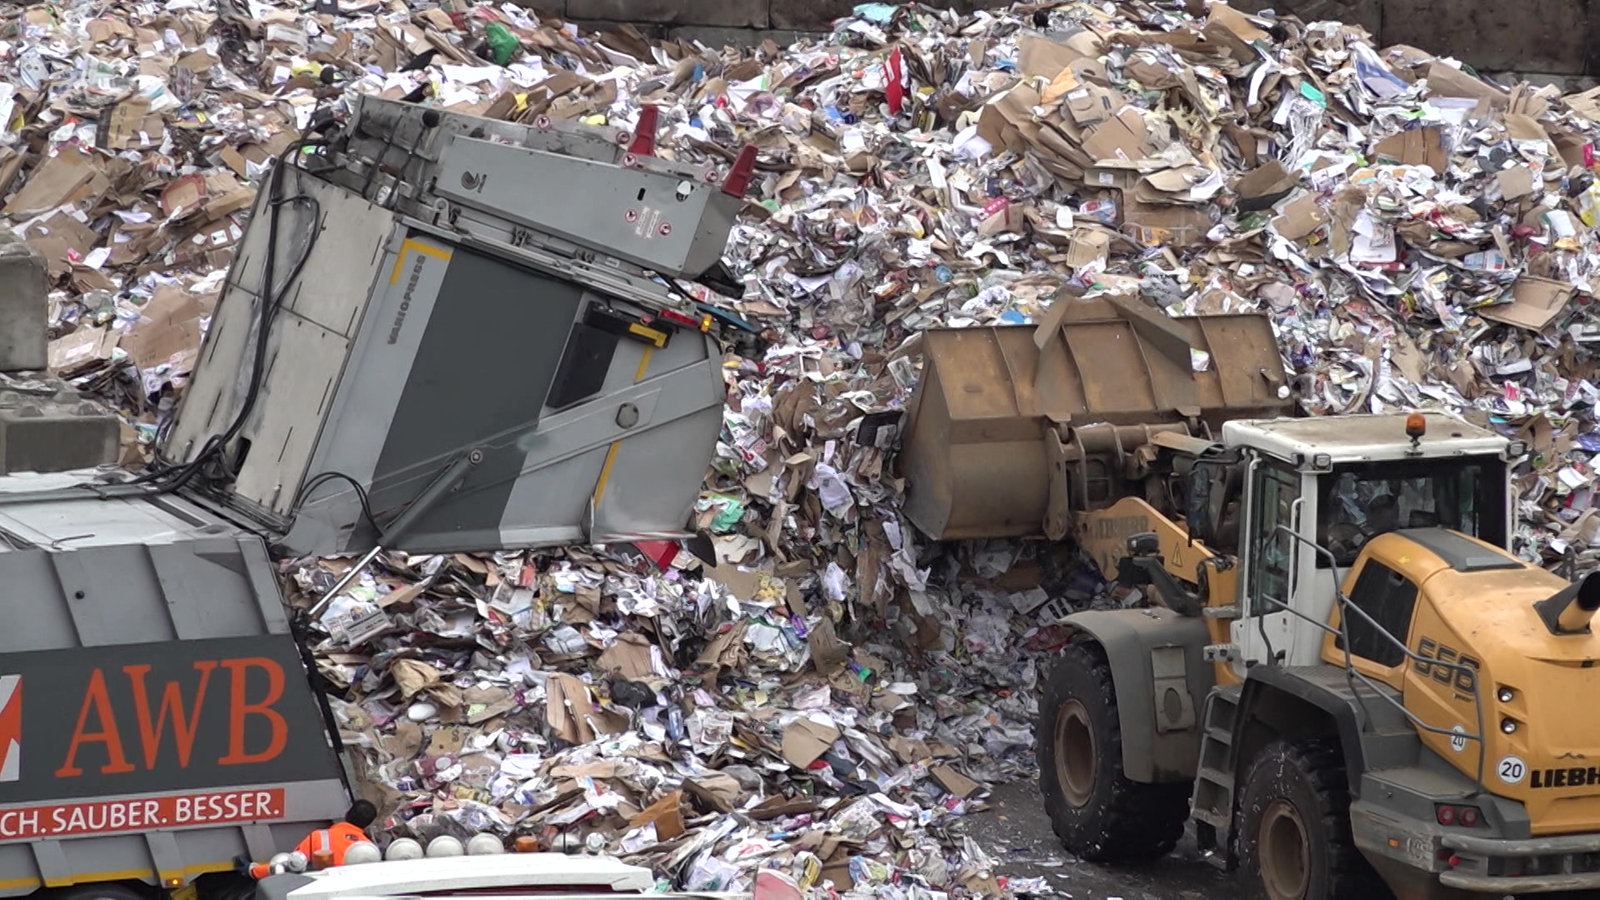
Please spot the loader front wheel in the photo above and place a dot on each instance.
(1294, 839)
(1098, 814)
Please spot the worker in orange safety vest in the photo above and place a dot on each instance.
(332, 843)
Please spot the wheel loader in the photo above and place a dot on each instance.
(1342, 676)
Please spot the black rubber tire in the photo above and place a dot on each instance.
(1301, 793)
(1100, 816)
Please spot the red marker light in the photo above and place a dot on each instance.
(678, 318)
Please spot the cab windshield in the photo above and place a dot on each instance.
(1360, 501)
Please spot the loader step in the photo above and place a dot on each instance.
(1211, 805)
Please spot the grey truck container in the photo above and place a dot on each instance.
(156, 718)
(483, 322)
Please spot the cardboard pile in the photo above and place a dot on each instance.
(706, 723)
(823, 700)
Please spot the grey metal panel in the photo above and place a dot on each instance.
(364, 406)
(635, 215)
(126, 597)
(679, 399)
(311, 337)
(634, 503)
(514, 323)
(92, 522)
(541, 467)
(561, 183)
(51, 862)
(286, 420)
(165, 855)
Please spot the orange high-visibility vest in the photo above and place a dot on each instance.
(336, 840)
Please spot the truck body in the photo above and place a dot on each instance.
(440, 333)
(1344, 678)
(156, 715)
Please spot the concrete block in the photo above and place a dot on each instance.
(722, 13)
(810, 15)
(46, 426)
(24, 306)
(1366, 13)
(717, 38)
(815, 16)
(1550, 36)
(547, 7)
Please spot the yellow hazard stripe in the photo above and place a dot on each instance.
(413, 245)
(611, 453)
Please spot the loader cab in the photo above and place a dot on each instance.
(1312, 492)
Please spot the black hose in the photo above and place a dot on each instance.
(271, 302)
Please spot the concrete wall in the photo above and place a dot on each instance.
(1551, 37)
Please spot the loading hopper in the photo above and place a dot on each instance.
(999, 408)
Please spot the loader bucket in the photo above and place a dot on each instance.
(995, 405)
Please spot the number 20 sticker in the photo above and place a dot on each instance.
(1512, 770)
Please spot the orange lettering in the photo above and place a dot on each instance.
(240, 710)
(183, 728)
(100, 701)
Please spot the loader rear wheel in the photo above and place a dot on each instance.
(1294, 839)
(1098, 814)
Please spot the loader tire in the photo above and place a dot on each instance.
(1293, 837)
(1098, 814)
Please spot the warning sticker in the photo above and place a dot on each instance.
(1512, 770)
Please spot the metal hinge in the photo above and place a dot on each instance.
(1221, 612)
(1221, 652)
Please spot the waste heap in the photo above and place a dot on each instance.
(833, 694)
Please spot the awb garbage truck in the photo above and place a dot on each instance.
(440, 333)
(1345, 681)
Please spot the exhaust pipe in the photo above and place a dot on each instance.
(1569, 610)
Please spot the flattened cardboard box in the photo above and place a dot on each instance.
(1147, 223)
(1007, 120)
(1535, 303)
(54, 183)
(169, 326)
(1041, 57)
(1416, 147)
(1121, 137)
(1299, 217)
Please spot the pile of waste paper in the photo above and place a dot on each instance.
(835, 692)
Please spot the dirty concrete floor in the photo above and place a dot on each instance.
(1016, 833)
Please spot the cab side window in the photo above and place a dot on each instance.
(1389, 598)
(1273, 505)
